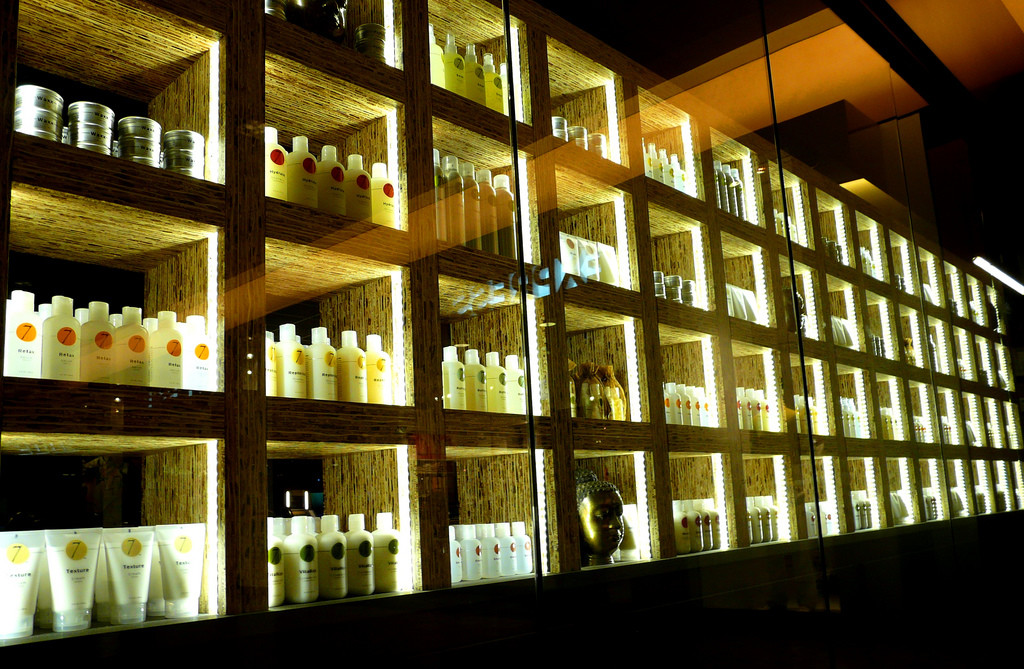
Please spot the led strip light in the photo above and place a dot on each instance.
(772, 392)
(398, 335)
(700, 271)
(872, 491)
(614, 152)
(862, 404)
(718, 478)
(905, 486)
(940, 499)
(633, 370)
(541, 532)
(760, 287)
(897, 411)
(643, 529)
(782, 498)
(213, 528)
(405, 516)
(710, 387)
(843, 240)
(851, 313)
(750, 209)
(689, 163)
(811, 320)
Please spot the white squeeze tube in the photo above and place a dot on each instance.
(129, 562)
(71, 555)
(181, 557)
(20, 566)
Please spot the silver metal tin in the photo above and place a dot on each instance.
(28, 95)
(184, 139)
(139, 126)
(96, 148)
(370, 30)
(673, 280)
(562, 135)
(559, 123)
(38, 119)
(577, 132)
(91, 112)
(137, 147)
(143, 160)
(179, 158)
(598, 144)
(38, 133)
(90, 133)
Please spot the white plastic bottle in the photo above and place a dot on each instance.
(300, 168)
(695, 521)
(693, 403)
(506, 549)
(524, 548)
(754, 522)
(131, 349)
(488, 213)
(453, 380)
(330, 178)
(358, 203)
(472, 559)
(471, 205)
(707, 533)
(200, 373)
(359, 556)
(515, 386)
(322, 381)
(276, 179)
(97, 364)
(351, 363)
(331, 559)
(270, 364)
(23, 351)
(756, 414)
(386, 548)
(490, 550)
(291, 364)
(275, 566)
(62, 342)
(436, 58)
(383, 196)
(379, 386)
(301, 581)
(166, 347)
(497, 393)
(82, 315)
(454, 201)
(454, 555)
(454, 67)
(682, 527)
(476, 382)
(672, 415)
(492, 85)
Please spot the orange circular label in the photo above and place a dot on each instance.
(104, 340)
(183, 544)
(298, 355)
(26, 332)
(137, 343)
(329, 359)
(363, 182)
(203, 352)
(361, 362)
(67, 336)
(174, 348)
(381, 365)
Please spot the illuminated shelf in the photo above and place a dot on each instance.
(591, 435)
(482, 433)
(755, 442)
(300, 420)
(455, 111)
(698, 440)
(584, 179)
(584, 300)
(671, 211)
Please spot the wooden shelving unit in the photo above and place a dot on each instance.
(227, 70)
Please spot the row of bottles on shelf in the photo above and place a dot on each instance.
(469, 211)
(752, 409)
(593, 261)
(321, 372)
(829, 518)
(675, 288)
(489, 550)
(862, 510)
(697, 524)
(297, 176)
(742, 303)
(475, 387)
(594, 392)
(309, 558)
(596, 142)
(661, 166)
(729, 190)
(478, 80)
(39, 112)
(851, 419)
(762, 519)
(686, 405)
(803, 410)
(65, 579)
(92, 345)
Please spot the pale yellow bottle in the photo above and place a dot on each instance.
(453, 380)
(276, 181)
(476, 382)
(358, 202)
(475, 86)
(300, 170)
(436, 58)
(97, 362)
(330, 175)
(378, 372)
(383, 197)
(492, 84)
(454, 67)
(291, 364)
(322, 382)
(270, 364)
(497, 394)
(351, 363)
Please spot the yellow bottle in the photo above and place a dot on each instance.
(492, 84)
(300, 170)
(378, 372)
(384, 196)
(454, 67)
(436, 59)
(475, 86)
(276, 180)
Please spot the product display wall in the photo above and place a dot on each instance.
(673, 388)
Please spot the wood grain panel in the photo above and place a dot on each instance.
(366, 483)
(692, 478)
(179, 283)
(185, 105)
(498, 330)
(339, 422)
(495, 490)
(760, 476)
(683, 363)
(617, 469)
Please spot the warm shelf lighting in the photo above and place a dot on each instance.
(643, 528)
(997, 273)
(216, 604)
(540, 533)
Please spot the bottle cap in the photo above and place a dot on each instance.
(379, 171)
(150, 324)
(483, 176)
(451, 533)
(197, 323)
(501, 181)
(22, 300)
(481, 531)
(298, 525)
(735, 173)
(319, 336)
(271, 522)
(663, 155)
(62, 306)
(502, 530)
(82, 315)
(355, 161)
(450, 353)
(450, 164)
(167, 319)
(349, 339)
(512, 362)
(329, 152)
(286, 333)
(493, 359)
(449, 44)
(116, 320)
(270, 135)
(437, 158)
(472, 357)
(356, 522)
(460, 532)
(718, 164)
(519, 527)
(466, 170)
(329, 523)
(373, 343)
(430, 33)
(280, 527)
(270, 336)
(300, 144)
(471, 52)
(385, 521)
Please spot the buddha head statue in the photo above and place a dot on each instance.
(600, 512)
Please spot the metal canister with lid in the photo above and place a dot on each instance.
(578, 134)
(138, 140)
(38, 112)
(369, 41)
(184, 153)
(91, 126)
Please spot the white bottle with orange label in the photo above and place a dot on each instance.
(23, 345)
(166, 353)
(276, 179)
(358, 202)
(131, 349)
(351, 363)
(98, 345)
(330, 177)
(291, 364)
(270, 364)
(200, 373)
(62, 342)
(323, 378)
(300, 170)
(383, 197)
(378, 372)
